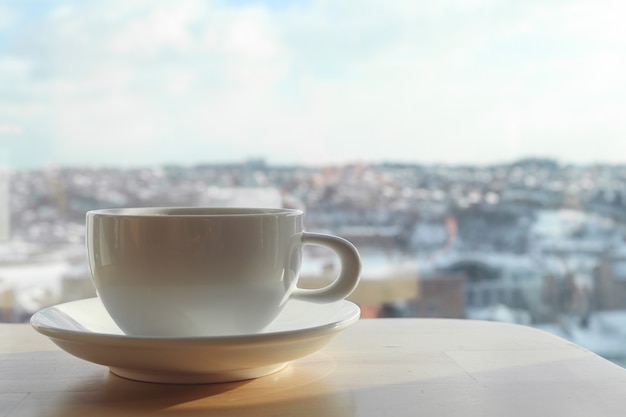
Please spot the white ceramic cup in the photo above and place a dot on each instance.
(188, 272)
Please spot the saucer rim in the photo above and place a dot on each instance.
(88, 336)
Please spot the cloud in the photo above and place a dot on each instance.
(6, 17)
(11, 129)
(191, 81)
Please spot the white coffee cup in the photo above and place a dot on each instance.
(189, 272)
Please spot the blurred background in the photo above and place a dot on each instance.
(473, 150)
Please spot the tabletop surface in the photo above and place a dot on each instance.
(378, 367)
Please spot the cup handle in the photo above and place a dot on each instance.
(349, 274)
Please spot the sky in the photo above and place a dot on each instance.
(148, 82)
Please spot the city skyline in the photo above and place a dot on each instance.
(310, 82)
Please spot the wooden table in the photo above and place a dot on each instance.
(391, 367)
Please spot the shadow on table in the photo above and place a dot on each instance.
(296, 390)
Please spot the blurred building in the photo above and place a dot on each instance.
(497, 279)
(441, 295)
(5, 212)
(266, 197)
(610, 281)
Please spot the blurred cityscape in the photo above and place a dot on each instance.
(533, 242)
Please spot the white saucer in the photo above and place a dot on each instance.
(84, 329)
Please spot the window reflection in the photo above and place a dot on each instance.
(120, 104)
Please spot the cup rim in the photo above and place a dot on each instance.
(193, 211)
